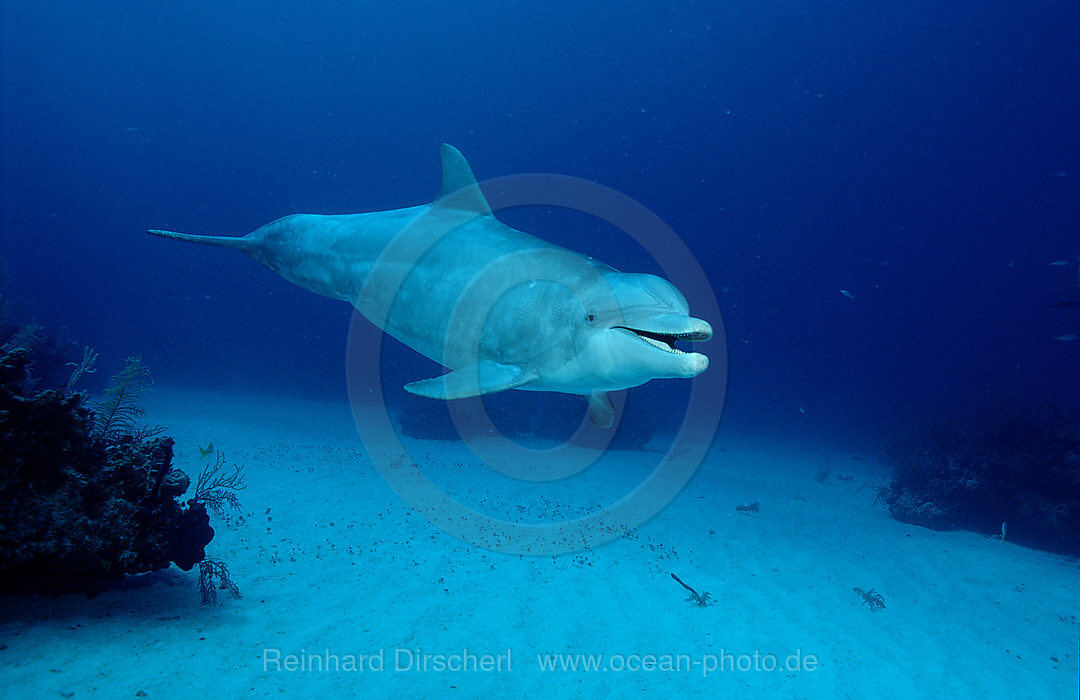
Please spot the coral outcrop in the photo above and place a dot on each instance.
(1010, 464)
(85, 496)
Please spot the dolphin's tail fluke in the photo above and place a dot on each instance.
(221, 241)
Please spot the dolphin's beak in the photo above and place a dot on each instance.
(662, 331)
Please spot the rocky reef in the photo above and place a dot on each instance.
(1010, 471)
(87, 496)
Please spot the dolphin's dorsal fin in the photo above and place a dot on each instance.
(459, 188)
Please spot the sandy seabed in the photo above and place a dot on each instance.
(348, 592)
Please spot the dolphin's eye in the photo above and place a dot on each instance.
(590, 318)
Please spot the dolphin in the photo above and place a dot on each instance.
(498, 307)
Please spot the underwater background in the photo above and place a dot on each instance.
(922, 157)
(885, 196)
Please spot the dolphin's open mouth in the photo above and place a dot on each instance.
(666, 341)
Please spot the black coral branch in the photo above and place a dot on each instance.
(217, 486)
(214, 576)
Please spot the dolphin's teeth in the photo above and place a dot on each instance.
(687, 336)
(666, 341)
(658, 344)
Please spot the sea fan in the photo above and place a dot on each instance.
(25, 338)
(118, 411)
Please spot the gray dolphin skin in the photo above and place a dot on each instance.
(500, 308)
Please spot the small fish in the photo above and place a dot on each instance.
(1065, 305)
(1067, 336)
(848, 294)
(1059, 263)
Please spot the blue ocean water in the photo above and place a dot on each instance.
(885, 197)
(923, 158)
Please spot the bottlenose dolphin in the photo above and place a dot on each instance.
(500, 308)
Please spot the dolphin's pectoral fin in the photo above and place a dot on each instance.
(601, 411)
(485, 377)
